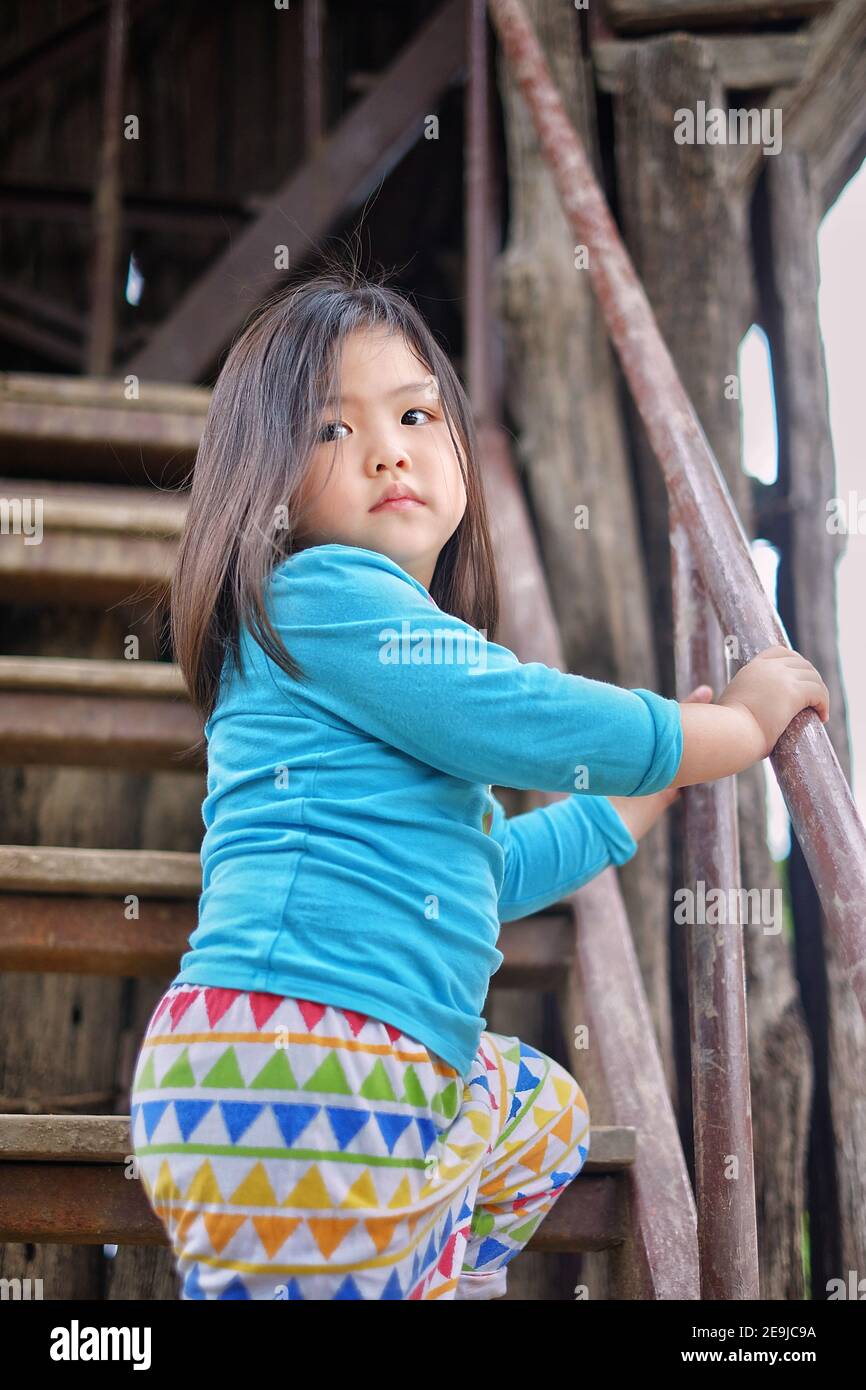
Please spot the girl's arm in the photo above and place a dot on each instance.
(641, 812)
(744, 726)
(553, 850)
(380, 656)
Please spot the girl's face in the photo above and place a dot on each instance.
(391, 435)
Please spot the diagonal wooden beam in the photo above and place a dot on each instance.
(369, 140)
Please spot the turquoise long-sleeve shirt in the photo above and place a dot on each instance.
(354, 853)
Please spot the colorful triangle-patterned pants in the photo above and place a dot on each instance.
(294, 1150)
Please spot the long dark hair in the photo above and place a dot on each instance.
(256, 445)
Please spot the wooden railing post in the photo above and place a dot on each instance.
(718, 1033)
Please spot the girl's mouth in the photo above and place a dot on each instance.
(398, 504)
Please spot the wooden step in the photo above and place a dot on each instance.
(70, 543)
(63, 1179)
(88, 428)
(130, 715)
(65, 910)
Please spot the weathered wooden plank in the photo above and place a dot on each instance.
(744, 62)
(42, 931)
(48, 921)
(87, 429)
(76, 1204)
(536, 950)
(61, 869)
(96, 544)
(100, 394)
(107, 228)
(107, 1139)
(88, 569)
(156, 678)
(65, 1138)
(90, 507)
(96, 677)
(96, 1203)
(96, 713)
(126, 732)
(647, 16)
(33, 422)
(718, 1032)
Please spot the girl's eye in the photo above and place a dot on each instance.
(326, 438)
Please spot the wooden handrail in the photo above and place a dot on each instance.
(819, 800)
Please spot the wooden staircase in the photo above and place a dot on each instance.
(67, 1178)
(64, 1176)
(70, 1178)
(99, 544)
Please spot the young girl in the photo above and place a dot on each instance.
(318, 1111)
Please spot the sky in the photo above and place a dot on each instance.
(841, 312)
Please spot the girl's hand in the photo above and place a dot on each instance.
(770, 689)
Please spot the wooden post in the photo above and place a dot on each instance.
(789, 209)
(107, 203)
(721, 1094)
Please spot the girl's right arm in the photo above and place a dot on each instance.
(380, 656)
(752, 713)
